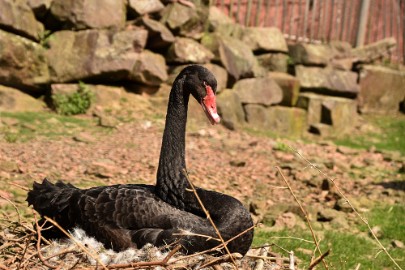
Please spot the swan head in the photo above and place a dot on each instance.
(203, 86)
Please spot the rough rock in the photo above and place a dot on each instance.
(94, 53)
(196, 26)
(290, 86)
(39, 7)
(381, 89)
(23, 62)
(230, 108)
(283, 121)
(310, 54)
(108, 121)
(234, 55)
(268, 39)
(274, 61)
(217, 17)
(175, 15)
(397, 244)
(186, 50)
(13, 100)
(342, 55)
(373, 51)
(149, 69)
(159, 36)
(264, 91)
(8, 166)
(335, 112)
(141, 7)
(80, 14)
(17, 17)
(84, 137)
(328, 81)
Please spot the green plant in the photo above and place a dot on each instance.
(76, 103)
(44, 38)
(11, 137)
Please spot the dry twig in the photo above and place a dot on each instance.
(209, 217)
(304, 212)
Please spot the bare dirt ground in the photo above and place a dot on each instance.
(233, 162)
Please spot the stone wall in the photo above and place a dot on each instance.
(141, 45)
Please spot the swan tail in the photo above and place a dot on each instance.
(56, 201)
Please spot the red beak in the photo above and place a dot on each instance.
(210, 106)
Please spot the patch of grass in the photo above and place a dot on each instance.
(391, 220)
(387, 133)
(347, 249)
(76, 103)
(30, 125)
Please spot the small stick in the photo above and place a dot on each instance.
(184, 233)
(318, 260)
(292, 262)
(209, 217)
(43, 260)
(216, 247)
(217, 261)
(303, 211)
(260, 259)
(15, 207)
(76, 242)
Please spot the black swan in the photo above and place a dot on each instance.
(124, 216)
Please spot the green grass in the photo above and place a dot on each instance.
(388, 134)
(29, 125)
(347, 249)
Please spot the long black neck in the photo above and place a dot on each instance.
(171, 183)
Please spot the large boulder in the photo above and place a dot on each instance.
(274, 61)
(13, 100)
(175, 15)
(39, 7)
(310, 54)
(264, 91)
(230, 108)
(328, 80)
(235, 56)
(216, 18)
(279, 120)
(373, 51)
(159, 36)
(381, 89)
(186, 50)
(188, 20)
(142, 7)
(84, 14)
(17, 17)
(94, 53)
(149, 69)
(23, 62)
(290, 86)
(268, 39)
(335, 115)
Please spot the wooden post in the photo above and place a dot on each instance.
(361, 31)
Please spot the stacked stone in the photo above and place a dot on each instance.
(140, 45)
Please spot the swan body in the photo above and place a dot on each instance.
(132, 215)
